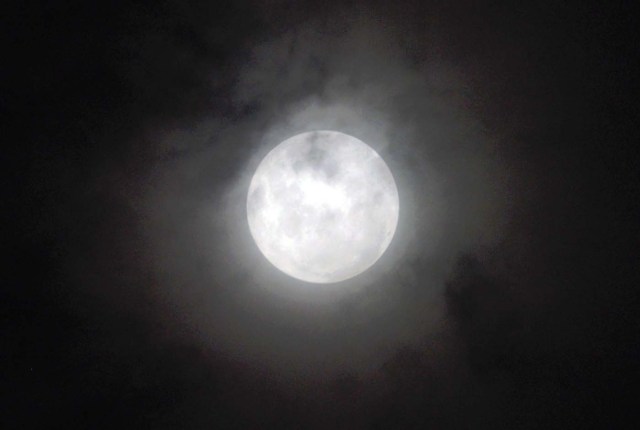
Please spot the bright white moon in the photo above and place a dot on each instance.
(322, 206)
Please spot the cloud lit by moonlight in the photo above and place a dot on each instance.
(322, 206)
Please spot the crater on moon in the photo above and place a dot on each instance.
(322, 206)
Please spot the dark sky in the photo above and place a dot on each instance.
(134, 296)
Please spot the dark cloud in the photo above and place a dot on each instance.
(135, 296)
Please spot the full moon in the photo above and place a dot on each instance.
(322, 206)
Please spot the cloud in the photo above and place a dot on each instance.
(349, 74)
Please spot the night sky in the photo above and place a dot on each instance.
(135, 297)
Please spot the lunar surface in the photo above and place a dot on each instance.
(322, 206)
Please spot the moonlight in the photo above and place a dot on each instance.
(322, 206)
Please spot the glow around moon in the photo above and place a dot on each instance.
(322, 206)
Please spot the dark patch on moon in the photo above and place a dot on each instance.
(316, 155)
(313, 137)
(318, 159)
